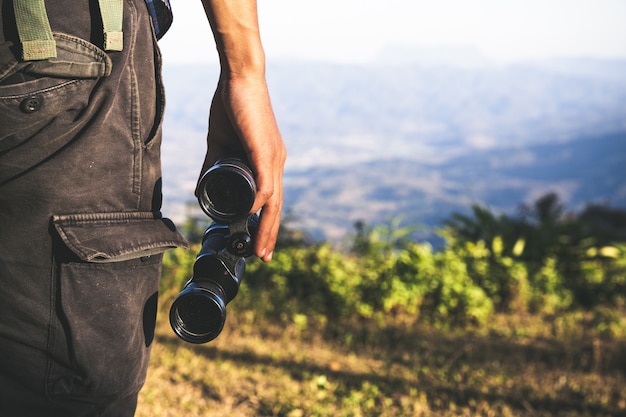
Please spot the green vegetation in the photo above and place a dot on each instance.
(512, 316)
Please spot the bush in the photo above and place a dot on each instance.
(546, 268)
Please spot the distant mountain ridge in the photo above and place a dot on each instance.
(327, 201)
(420, 141)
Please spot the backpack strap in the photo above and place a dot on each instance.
(112, 12)
(34, 30)
(36, 36)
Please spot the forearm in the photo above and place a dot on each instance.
(242, 90)
(235, 28)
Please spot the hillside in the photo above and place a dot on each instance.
(419, 140)
(328, 200)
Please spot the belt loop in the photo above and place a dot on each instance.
(112, 12)
(34, 30)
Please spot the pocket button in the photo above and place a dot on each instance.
(31, 104)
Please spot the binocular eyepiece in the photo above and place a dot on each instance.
(226, 193)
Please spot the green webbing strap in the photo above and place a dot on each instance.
(112, 12)
(36, 35)
(34, 30)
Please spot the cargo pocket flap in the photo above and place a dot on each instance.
(114, 237)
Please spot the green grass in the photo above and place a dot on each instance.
(515, 366)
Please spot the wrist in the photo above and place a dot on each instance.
(242, 62)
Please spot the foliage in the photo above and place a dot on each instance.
(382, 284)
(544, 262)
(569, 261)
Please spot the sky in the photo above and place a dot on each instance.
(356, 31)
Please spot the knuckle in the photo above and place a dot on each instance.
(265, 193)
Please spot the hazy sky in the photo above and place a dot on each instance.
(357, 30)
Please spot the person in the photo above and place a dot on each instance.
(81, 233)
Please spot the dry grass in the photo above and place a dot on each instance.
(269, 371)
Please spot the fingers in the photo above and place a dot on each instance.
(267, 234)
(269, 199)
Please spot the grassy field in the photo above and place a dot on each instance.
(517, 367)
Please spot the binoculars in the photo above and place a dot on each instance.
(226, 193)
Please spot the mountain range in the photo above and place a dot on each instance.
(419, 139)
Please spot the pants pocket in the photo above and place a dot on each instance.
(33, 92)
(43, 103)
(108, 272)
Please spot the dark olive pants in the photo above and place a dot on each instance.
(80, 230)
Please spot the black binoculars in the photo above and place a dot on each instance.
(226, 193)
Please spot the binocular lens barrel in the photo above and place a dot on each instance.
(226, 193)
(199, 312)
(227, 190)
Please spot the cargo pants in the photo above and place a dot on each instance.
(81, 234)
